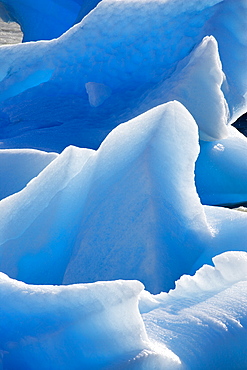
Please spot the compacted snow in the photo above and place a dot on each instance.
(116, 151)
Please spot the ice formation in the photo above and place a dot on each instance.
(19, 166)
(221, 173)
(93, 208)
(206, 314)
(145, 163)
(47, 19)
(146, 45)
(99, 318)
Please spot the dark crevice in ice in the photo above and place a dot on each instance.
(241, 124)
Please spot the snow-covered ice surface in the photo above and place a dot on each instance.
(147, 44)
(93, 208)
(204, 319)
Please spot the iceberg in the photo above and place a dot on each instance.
(19, 166)
(100, 318)
(145, 163)
(160, 37)
(116, 152)
(45, 20)
(221, 170)
(197, 84)
(203, 320)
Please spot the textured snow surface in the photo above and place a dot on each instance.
(100, 318)
(204, 319)
(146, 44)
(116, 145)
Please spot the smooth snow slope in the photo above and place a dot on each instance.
(19, 166)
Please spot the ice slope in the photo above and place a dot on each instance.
(197, 84)
(230, 233)
(19, 166)
(221, 172)
(228, 26)
(45, 19)
(129, 210)
(87, 326)
(36, 78)
(199, 324)
(140, 182)
(203, 321)
(145, 164)
(135, 200)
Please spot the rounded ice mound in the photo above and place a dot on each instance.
(43, 325)
(108, 47)
(232, 266)
(221, 170)
(63, 326)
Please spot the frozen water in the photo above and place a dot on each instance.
(45, 19)
(175, 73)
(145, 163)
(140, 50)
(19, 166)
(102, 318)
(204, 319)
(197, 85)
(221, 173)
(97, 93)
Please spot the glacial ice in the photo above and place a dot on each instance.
(141, 50)
(203, 320)
(99, 318)
(93, 208)
(145, 163)
(19, 166)
(197, 85)
(46, 19)
(221, 173)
